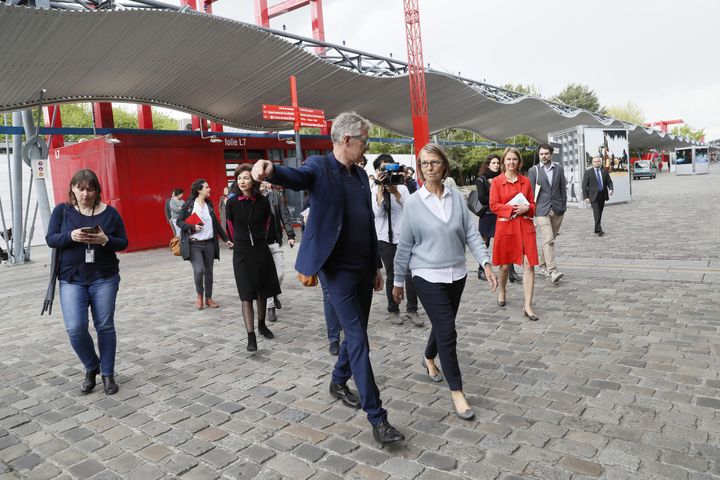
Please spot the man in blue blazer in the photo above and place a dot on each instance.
(340, 245)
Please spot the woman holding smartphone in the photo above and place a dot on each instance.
(87, 233)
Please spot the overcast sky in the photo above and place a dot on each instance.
(660, 54)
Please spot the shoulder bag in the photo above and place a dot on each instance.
(474, 205)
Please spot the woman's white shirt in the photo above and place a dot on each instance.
(202, 211)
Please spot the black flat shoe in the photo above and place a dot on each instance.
(277, 303)
(533, 318)
(111, 387)
(342, 392)
(90, 381)
(434, 378)
(265, 332)
(386, 434)
(334, 347)
(252, 342)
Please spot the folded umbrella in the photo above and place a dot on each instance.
(50, 295)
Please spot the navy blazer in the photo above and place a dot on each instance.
(320, 175)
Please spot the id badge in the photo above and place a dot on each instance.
(89, 255)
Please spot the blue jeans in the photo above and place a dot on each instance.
(99, 295)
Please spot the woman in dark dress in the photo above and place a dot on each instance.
(249, 214)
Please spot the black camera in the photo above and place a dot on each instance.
(394, 174)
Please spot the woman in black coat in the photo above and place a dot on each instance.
(248, 214)
(198, 240)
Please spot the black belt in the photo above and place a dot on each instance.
(192, 240)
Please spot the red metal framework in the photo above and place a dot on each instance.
(205, 6)
(263, 14)
(663, 124)
(416, 69)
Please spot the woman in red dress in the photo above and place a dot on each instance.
(514, 230)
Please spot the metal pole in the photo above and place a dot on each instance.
(16, 185)
(298, 150)
(296, 124)
(4, 228)
(32, 230)
(27, 217)
(7, 152)
(40, 185)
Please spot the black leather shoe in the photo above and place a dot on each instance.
(265, 332)
(111, 387)
(349, 399)
(386, 434)
(334, 347)
(601, 233)
(276, 300)
(252, 342)
(90, 381)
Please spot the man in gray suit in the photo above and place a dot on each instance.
(548, 181)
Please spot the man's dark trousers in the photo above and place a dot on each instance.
(387, 255)
(597, 206)
(331, 318)
(351, 296)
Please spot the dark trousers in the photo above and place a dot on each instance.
(441, 302)
(202, 255)
(351, 295)
(597, 206)
(387, 254)
(331, 319)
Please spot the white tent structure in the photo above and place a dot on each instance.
(225, 70)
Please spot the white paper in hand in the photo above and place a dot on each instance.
(518, 199)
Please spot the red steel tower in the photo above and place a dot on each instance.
(416, 69)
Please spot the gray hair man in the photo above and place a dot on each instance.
(340, 245)
(549, 183)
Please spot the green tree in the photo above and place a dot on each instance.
(697, 134)
(162, 121)
(390, 148)
(630, 112)
(580, 96)
(528, 89)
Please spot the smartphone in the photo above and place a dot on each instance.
(94, 229)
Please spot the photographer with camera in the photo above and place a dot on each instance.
(390, 193)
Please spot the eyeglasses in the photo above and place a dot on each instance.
(431, 163)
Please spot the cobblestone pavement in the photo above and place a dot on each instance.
(618, 380)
